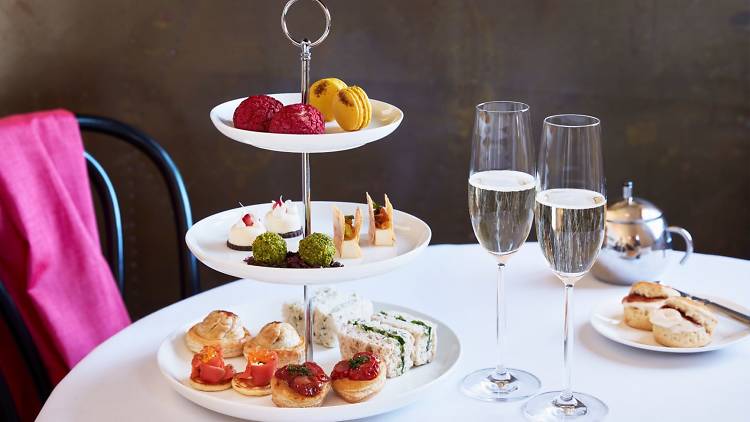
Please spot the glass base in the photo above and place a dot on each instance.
(481, 386)
(547, 407)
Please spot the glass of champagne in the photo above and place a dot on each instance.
(501, 205)
(570, 216)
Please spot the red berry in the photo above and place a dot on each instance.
(255, 113)
(247, 219)
(298, 119)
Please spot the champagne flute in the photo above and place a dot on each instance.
(570, 217)
(501, 202)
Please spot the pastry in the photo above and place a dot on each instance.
(346, 233)
(683, 322)
(358, 378)
(255, 113)
(298, 119)
(643, 298)
(394, 346)
(283, 219)
(304, 385)
(381, 222)
(220, 329)
(281, 338)
(269, 249)
(256, 379)
(317, 250)
(352, 109)
(209, 372)
(423, 332)
(242, 234)
(322, 93)
(331, 309)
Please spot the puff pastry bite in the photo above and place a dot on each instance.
(303, 385)
(282, 338)
(220, 329)
(358, 378)
(256, 379)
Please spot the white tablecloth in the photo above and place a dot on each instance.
(120, 381)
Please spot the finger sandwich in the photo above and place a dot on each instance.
(395, 346)
(424, 333)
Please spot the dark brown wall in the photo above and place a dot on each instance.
(670, 80)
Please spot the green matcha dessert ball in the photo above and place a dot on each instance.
(269, 249)
(317, 250)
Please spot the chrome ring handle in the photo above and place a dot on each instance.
(304, 41)
(688, 241)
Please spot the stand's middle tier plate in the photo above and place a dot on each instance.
(207, 241)
(385, 119)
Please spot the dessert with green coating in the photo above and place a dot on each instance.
(317, 250)
(269, 249)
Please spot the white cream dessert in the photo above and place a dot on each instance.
(381, 222)
(283, 219)
(243, 233)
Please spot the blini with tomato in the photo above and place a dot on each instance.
(349, 377)
(293, 386)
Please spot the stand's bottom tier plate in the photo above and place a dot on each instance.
(174, 362)
(207, 241)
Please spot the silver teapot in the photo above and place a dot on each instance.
(637, 242)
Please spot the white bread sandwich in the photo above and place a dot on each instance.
(424, 333)
(643, 298)
(346, 233)
(381, 222)
(331, 309)
(393, 345)
(683, 322)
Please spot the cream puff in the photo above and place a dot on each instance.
(242, 234)
(282, 338)
(381, 222)
(683, 322)
(304, 385)
(358, 378)
(643, 298)
(209, 372)
(256, 379)
(220, 329)
(346, 233)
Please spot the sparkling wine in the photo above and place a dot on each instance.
(570, 229)
(501, 205)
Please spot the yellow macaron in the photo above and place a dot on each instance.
(322, 93)
(352, 108)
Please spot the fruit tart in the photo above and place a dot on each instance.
(358, 378)
(256, 379)
(209, 372)
(304, 385)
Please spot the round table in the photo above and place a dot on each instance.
(120, 381)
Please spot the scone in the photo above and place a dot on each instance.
(683, 322)
(209, 372)
(358, 378)
(281, 338)
(221, 329)
(645, 297)
(303, 385)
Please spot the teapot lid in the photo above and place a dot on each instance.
(631, 209)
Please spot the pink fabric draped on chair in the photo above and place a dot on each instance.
(50, 256)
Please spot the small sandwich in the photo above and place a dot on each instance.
(645, 297)
(394, 346)
(256, 379)
(358, 378)
(683, 322)
(219, 329)
(304, 385)
(209, 372)
(346, 233)
(423, 332)
(331, 310)
(279, 337)
(381, 222)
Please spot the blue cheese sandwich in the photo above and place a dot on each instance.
(424, 333)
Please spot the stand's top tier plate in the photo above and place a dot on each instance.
(207, 241)
(385, 119)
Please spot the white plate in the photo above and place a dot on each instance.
(385, 119)
(207, 241)
(607, 319)
(174, 362)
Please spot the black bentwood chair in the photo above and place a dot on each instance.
(113, 241)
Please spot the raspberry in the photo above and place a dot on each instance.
(255, 113)
(298, 119)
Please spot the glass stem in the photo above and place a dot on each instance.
(566, 396)
(501, 372)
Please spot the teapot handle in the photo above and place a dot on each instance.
(688, 241)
